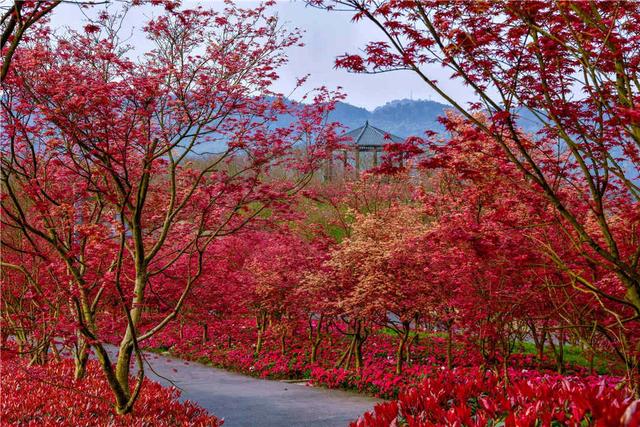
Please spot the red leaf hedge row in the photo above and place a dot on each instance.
(472, 398)
(47, 395)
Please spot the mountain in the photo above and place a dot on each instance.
(403, 117)
(408, 117)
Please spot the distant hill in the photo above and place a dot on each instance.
(407, 117)
(403, 117)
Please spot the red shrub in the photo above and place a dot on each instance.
(46, 395)
(470, 397)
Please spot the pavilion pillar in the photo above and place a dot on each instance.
(357, 162)
(375, 157)
(328, 172)
(344, 165)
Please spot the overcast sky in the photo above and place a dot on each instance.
(327, 35)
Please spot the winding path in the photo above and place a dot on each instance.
(251, 402)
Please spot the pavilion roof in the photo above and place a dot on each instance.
(371, 136)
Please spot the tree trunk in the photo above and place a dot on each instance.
(449, 345)
(315, 338)
(538, 339)
(123, 366)
(258, 343)
(125, 352)
(358, 354)
(352, 350)
(560, 358)
(404, 337)
(314, 349)
(40, 353)
(261, 321)
(283, 343)
(205, 333)
(407, 351)
(634, 381)
(543, 339)
(346, 356)
(360, 338)
(122, 394)
(80, 358)
(505, 371)
(55, 352)
(558, 352)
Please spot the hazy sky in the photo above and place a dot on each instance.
(327, 35)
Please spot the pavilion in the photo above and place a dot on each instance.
(363, 148)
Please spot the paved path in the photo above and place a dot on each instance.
(251, 402)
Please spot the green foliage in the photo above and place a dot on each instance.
(573, 355)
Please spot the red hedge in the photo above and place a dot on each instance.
(470, 397)
(47, 395)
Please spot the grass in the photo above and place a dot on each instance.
(159, 350)
(573, 355)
